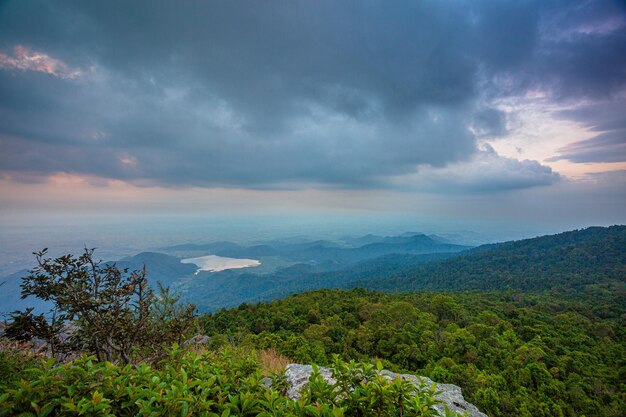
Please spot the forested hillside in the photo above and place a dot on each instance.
(512, 353)
(230, 288)
(585, 259)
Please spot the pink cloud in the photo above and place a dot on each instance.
(26, 59)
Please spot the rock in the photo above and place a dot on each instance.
(266, 382)
(449, 395)
(199, 339)
(297, 377)
(38, 345)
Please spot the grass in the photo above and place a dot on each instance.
(272, 362)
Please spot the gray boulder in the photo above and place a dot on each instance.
(198, 340)
(298, 375)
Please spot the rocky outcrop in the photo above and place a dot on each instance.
(297, 377)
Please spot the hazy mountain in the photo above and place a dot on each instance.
(357, 249)
(10, 295)
(231, 288)
(166, 269)
(290, 266)
(407, 262)
(571, 260)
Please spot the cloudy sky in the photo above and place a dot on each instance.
(459, 109)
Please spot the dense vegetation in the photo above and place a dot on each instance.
(549, 340)
(570, 261)
(190, 384)
(114, 315)
(583, 263)
(513, 354)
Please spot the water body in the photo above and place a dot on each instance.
(214, 263)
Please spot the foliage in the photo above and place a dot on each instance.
(513, 354)
(188, 384)
(576, 262)
(360, 390)
(14, 359)
(582, 263)
(24, 325)
(117, 313)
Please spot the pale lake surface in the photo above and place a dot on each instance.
(214, 263)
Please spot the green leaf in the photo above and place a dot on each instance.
(97, 397)
(70, 406)
(46, 410)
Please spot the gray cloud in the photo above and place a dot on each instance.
(606, 147)
(489, 122)
(486, 172)
(285, 93)
(607, 117)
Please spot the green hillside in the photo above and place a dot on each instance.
(570, 261)
(513, 354)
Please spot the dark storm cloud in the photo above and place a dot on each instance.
(274, 94)
(578, 52)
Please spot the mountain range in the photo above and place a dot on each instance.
(572, 261)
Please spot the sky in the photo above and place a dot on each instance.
(458, 111)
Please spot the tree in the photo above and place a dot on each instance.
(25, 325)
(116, 312)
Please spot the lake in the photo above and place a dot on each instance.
(214, 263)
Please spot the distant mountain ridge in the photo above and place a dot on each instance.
(230, 288)
(163, 268)
(355, 250)
(572, 260)
(286, 267)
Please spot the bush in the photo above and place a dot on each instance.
(116, 314)
(359, 390)
(211, 384)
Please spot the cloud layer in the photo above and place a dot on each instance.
(300, 94)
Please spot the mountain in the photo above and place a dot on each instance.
(320, 251)
(210, 291)
(213, 248)
(160, 267)
(10, 295)
(571, 260)
(403, 238)
(287, 266)
(304, 265)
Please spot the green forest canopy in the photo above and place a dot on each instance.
(512, 353)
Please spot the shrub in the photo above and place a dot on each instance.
(116, 312)
(210, 384)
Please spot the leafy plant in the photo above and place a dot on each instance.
(117, 314)
(359, 389)
(212, 384)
